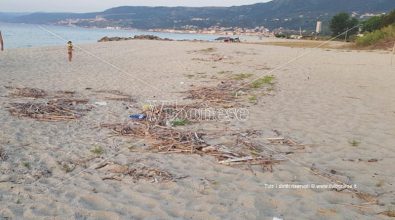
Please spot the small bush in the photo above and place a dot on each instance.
(208, 50)
(253, 99)
(267, 80)
(242, 76)
(354, 143)
(97, 150)
(377, 36)
(179, 122)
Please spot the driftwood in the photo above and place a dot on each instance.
(53, 110)
(224, 92)
(136, 171)
(27, 92)
(168, 140)
(250, 160)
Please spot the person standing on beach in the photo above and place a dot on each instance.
(1, 42)
(70, 50)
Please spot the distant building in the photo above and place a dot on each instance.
(318, 28)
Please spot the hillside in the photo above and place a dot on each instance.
(290, 14)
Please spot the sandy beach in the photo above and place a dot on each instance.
(327, 116)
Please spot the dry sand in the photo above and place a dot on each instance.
(338, 104)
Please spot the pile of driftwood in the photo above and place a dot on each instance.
(27, 92)
(168, 140)
(136, 171)
(58, 106)
(213, 58)
(165, 113)
(160, 138)
(53, 110)
(225, 92)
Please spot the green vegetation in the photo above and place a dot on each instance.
(388, 19)
(354, 143)
(208, 50)
(379, 30)
(97, 150)
(378, 22)
(26, 164)
(242, 76)
(342, 22)
(66, 168)
(253, 99)
(189, 76)
(224, 72)
(372, 24)
(179, 122)
(377, 36)
(259, 83)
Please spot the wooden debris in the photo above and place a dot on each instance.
(27, 92)
(53, 110)
(366, 197)
(213, 58)
(389, 213)
(163, 114)
(168, 140)
(137, 172)
(283, 141)
(3, 154)
(225, 92)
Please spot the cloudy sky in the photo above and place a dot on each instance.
(99, 5)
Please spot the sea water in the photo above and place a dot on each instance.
(30, 35)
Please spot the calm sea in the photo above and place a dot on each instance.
(28, 35)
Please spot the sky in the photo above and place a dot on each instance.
(100, 5)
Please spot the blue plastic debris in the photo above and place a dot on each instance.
(137, 116)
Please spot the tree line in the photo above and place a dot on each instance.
(343, 25)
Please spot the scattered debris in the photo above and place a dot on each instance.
(389, 213)
(53, 110)
(283, 141)
(225, 92)
(372, 199)
(136, 171)
(3, 154)
(168, 140)
(138, 116)
(101, 103)
(27, 92)
(213, 58)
